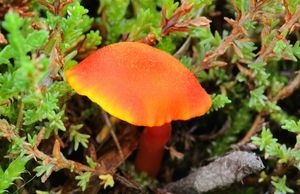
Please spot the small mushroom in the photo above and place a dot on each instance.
(143, 86)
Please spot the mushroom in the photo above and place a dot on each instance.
(143, 86)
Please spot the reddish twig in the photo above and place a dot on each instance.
(19, 6)
(57, 7)
(256, 126)
(57, 160)
(176, 23)
(187, 42)
(236, 33)
(264, 54)
(220, 132)
(288, 14)
(288, 89)
(112, 133)
(287, 26)
(282, 94)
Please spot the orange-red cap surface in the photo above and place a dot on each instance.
(139, 84)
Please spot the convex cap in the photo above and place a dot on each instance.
(139, 84)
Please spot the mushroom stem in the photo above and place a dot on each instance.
(151, 148)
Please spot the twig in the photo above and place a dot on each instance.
(177, 22)
(282, 94)
(183, 47)
(288, 89)
(187, 42)
(219, 133)
(221, 173)
(46, 4)
(20, 116)
(4, 102)
(112, 133)
(58, 160)
(57, 6)
(20, 6)
(287, 26)
(256, 126)
(237, 32)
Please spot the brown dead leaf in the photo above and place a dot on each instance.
(183, 10)
(288, 14)
(207, 65)
(40, 136)
(56, 61)
(21, 7)
(150, 39)
(6, 129)
(128, 142)
(2, 39)
(200, 22)
(104, 133)
(244, 70)
(173, 24)
(237, 51)
(295, 26)
(237, 28)
(56, 150)
(175, 154)
(127, 182)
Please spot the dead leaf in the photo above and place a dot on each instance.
(237, 51)
(288, 14)
(173, 24)
(244, 70)
(127, 182)
(107, 180)
(175, 154)
(2, 39)
(104, 133)
(128, 142)
(200, 22)
(56, 61)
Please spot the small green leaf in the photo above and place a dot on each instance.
(91, 162)
(279, 47)
(167, 44)
(13, 172)
(291, 126)
(77, 137)
(93, 38)
(44, 169)
(170, 7)
(280, 185)
(243, 5)
(219, 101)
(36, 39)
(258, 99)
(12, 21)
(83, 180)
(265, 139)
(296, 49)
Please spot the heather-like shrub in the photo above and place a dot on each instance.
(245, 53)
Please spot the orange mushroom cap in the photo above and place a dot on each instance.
(139, 84)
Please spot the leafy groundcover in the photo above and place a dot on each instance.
(245, 53)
